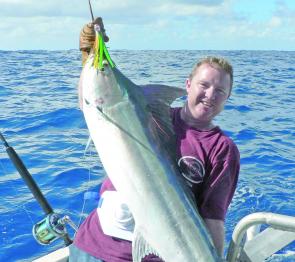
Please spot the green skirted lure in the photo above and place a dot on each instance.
(101, 53)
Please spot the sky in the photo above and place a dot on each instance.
(151, 24)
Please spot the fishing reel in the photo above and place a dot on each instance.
(52, 227)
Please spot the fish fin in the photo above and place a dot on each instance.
(162, 94)
(140, 247)
(160, 99)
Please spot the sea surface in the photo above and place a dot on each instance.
(40, 118)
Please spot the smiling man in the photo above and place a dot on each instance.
(208, 159)
(208, 88)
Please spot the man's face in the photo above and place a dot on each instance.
(207, 92)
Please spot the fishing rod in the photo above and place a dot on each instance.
(98, 21)
(52, 226)
(90, 7)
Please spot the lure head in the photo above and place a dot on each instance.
(98, 28)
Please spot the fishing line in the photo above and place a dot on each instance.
(87, 189)
(88, 152)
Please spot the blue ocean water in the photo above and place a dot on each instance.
(40, 118)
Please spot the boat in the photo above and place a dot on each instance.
(258, 245)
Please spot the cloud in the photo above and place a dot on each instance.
(199, 2)
(114, 12)
(108, 8)
(40, 33)
(171, 8)
(285, 14)
(275, 22)
(171, 24)
(31, 8)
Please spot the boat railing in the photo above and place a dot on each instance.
(279, 233)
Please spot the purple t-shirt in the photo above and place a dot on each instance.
(209, 160)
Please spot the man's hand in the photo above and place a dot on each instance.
(87, 37)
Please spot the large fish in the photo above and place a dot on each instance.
(131, 130)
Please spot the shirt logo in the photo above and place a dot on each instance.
(192, 169)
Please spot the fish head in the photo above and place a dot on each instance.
(100, 86)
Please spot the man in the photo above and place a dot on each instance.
(207, 158)
(200, 142)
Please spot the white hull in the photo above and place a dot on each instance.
(60, 255)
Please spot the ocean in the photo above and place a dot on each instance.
(40, 118)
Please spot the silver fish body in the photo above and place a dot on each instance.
(126, 138)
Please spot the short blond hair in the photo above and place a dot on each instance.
(217, 62)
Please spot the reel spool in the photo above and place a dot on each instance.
(49, 229)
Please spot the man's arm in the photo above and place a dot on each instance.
(216, 230)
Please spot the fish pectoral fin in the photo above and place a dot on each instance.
(160, 99)
(140, 247)
(161, 94)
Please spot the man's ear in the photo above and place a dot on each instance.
(187, 84)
